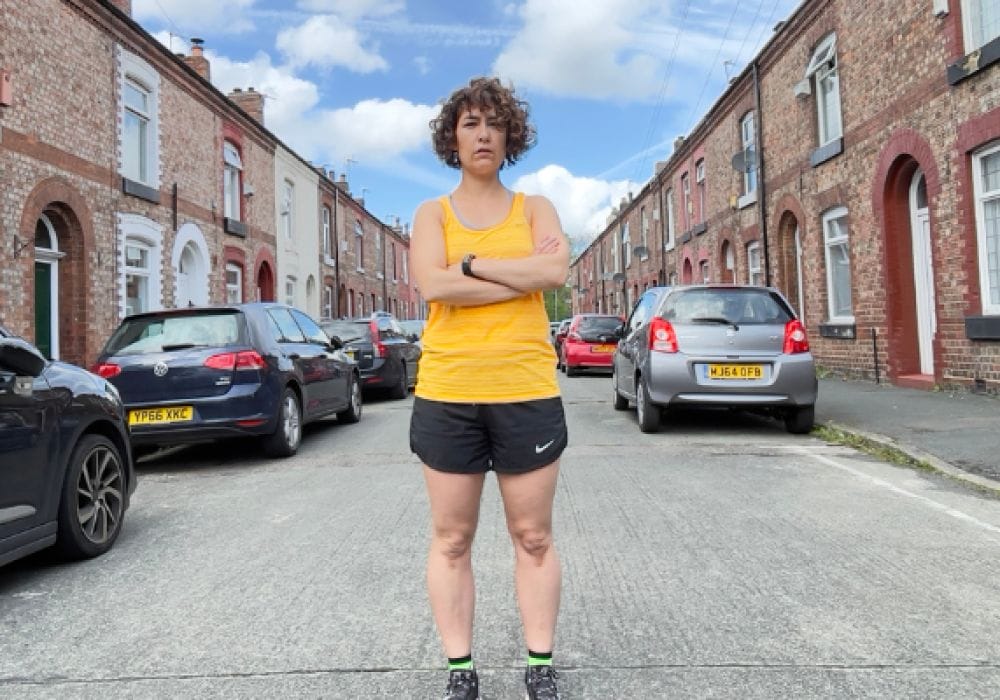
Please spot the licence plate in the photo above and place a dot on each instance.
(602, 348)
(736, 371)
(349, 353)
(159, 416)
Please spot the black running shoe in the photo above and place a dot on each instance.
(462, 685)
(540, 683)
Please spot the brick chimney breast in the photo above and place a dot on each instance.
(250, 101)
(197, 59)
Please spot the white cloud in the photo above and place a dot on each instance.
(353, 9)
(379, 130)
(328, 41)
(423, 64)
(570, 48)
(196, 17)
(583, 203)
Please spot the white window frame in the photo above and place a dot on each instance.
(831, 240)
(669, 245)
(287, 209)
(989, 280)
(325, 218)
(699, 179)
(392, 252)
(406, 267)
(133, 69)
(823, 70)
(976, 32)
(234, 290)
(644, 227)
(327, 301)
(359, 245)
(380, 267)
(232, 181)
(291, 289)
(705, 276)
(134, 229)
(686, 200)
(626, 246)
(748, 137)
(755, 270)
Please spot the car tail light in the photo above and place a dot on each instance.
(378, 348)
(250, 359)
(106, 370)
(662, 337)
(223, 361)
(229, 361)
(795, 338)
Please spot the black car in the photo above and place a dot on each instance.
(66, 472)
(203, 373)
(386, 355)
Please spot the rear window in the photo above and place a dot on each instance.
(599, 324)
(741, 306)
(153, 334)
(348, 331)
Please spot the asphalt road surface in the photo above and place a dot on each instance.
(720, 558)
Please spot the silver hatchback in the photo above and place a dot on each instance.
(737, 346)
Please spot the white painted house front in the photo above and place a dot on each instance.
(296, 196)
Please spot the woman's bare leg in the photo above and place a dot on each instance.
(527, 500)
(454, 502)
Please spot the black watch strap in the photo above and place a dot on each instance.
(467, 265)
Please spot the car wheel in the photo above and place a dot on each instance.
(352, 414)
(647, 412)
(402, 387)
(800, 420)
(621, 403)
(285, 440)
(92, 504)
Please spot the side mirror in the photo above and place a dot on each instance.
(620, 331)
(413, 337)
(21, 358)
(336, 343)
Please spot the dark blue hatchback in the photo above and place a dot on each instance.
(198, 374)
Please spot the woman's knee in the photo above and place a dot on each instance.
(534, 542)
(453, 544)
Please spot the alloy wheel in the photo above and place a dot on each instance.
(100, 503)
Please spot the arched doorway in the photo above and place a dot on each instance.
(47, 257)
(727, 263)
(687, 272)
(191, 266)
(790, 261)
(265, 282)
(923, 271)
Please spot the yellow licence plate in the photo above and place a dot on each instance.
(602, 348)
(736, 371)
(157, 416)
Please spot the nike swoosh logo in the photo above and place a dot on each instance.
(539, 449)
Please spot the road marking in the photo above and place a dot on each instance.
(941, 507)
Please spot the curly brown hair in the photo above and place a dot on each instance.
(483, 93)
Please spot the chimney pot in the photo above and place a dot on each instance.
(197, 59)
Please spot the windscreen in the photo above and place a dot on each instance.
(154, 334)
(739, 306)
(348, 331)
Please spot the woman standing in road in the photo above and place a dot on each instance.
(488, 396)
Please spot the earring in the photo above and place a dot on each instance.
(453, 160)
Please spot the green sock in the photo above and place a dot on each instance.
(460, 663)
(537, 658)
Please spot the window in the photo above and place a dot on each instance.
(138, 267)
(838, 265)
(287, 209)
(138, 137)
(626, 246)
(406, 267)
(135, 140)
(284, 328)
(980, 22)
(822, 70)
(380, 269)
(392, 253)
(327, 301)
(686, 200)
(669, 243)
(986, 188)
(699, 178)
(231, 181)
(327, 233)
(705, 279)
(312, 332)
(234, 283)
(359, 245)
(728, 263)
(290, 284)
(644, 227)
(747, 135)
(755, 274)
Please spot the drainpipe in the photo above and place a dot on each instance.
(336, 251)
(761, 191)
(663, 231)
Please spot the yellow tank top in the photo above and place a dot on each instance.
(494, 353)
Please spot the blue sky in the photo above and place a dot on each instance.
(352, 84)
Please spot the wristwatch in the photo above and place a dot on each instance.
(467, 265)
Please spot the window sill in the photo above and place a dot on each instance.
(327, 260)
(746, 200)
(841, 330)
(827, 152)
(137, 189)
(235, 227)
(974, 62)
(360, 269)
(982, 327)
(379, 275)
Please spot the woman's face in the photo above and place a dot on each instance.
(482, 140)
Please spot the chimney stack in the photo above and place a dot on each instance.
(123, 5)
(197, 59)
(342, 183)
(250, 101)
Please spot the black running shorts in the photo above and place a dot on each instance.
(472, 438)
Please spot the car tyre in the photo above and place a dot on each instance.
(402, 387)
(620, 402)
(92, 504)
(799, 421)
(287, 435)
(647, 412)
(352, 414)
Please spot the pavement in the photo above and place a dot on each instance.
(955, 432)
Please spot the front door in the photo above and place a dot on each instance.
(43, 308)
(923, 272)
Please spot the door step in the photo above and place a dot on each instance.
(916, 381)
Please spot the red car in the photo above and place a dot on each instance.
(590, 343)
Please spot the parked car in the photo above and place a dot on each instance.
(385, 355)
(414, 330)
(589, 343)
(204, 373)
(715, 345)
(557, 339)
(66, 471)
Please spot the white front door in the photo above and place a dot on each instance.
(923, 272)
